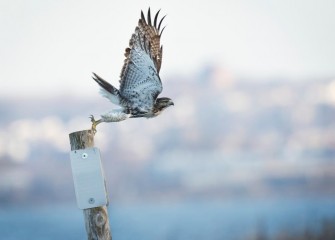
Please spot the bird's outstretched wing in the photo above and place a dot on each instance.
(140, 83)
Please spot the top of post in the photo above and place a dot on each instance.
(82, 139)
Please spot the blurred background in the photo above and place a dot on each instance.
(247, 152)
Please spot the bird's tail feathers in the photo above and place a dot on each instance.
(104, 84)
(107, 90)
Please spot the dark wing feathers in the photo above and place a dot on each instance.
(152, 34)
(155, 20)
(149, 18)
(139, 80)
(140, 83)
(160, 23)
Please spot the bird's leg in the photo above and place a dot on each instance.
(115, 115)
(94, 123)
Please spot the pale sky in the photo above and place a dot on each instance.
(51, 47)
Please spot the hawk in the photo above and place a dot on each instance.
(140, 83)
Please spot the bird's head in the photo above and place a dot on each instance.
(162, 103)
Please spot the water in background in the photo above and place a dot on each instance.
(240, 219)
(225, 139)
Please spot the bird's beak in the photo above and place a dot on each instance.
(171, 104)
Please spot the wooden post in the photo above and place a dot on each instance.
(96, 219)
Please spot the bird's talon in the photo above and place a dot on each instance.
(91, 117)
(94, 123)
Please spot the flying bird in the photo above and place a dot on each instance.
(140, 83)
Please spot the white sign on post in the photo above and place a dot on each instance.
(88, 178)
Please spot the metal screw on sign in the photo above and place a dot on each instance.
(84, 155)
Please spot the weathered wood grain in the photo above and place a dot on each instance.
(96, 219)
